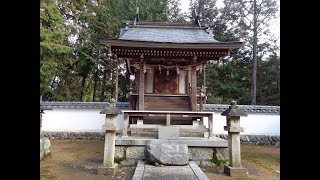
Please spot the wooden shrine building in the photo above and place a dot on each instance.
(165, 59)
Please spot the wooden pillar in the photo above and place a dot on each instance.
(141, 87)
(189, 81)
(194, 88)
(201, 99)
(201, 121)
(204, 84)
(117, 81)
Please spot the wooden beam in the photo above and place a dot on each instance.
(194, 88)
(141, 86)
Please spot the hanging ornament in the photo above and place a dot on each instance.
(144, 68)
(160, 68)
(178, 70)
(167, 72)
(201, 69)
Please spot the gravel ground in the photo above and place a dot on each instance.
(79, 159)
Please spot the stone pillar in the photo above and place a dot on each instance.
(234, 167)
(108, 167)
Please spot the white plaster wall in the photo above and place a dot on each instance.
(92, 120)
(72, 120)
(254, 123)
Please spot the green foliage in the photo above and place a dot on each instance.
(268, 79)
(53, 43)
(80, 69)
(216, 160)
(231, 80)
(118, 159)
(227, 82)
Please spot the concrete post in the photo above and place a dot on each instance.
(234, 167)
(109, 167)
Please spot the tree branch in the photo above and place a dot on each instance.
(268, 15)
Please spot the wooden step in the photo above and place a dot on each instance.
(167, 103)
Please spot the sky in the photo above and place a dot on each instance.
(274, 24)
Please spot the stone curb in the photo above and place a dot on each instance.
(244, 139)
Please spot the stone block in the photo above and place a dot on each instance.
(167, 154)
(129, 162)
(168, 133)
(235, 171)
(243, 139)
(44, 147)
(206, 134)
(195, 123)
(222, 153)
(108, 171)
(197, 153)
(135, 152)
(119, 151)
(140, 122)
(252, 138)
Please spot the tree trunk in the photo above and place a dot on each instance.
(254, 61)
(95, 83)
(103, 89)
(83, 83)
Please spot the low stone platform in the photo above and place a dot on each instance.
(189, 172)
(189, 141)
(201, 150)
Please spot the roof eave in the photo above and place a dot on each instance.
(126, 43)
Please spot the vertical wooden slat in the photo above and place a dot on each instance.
(201, 121)
(193, 88)
(201, 101)
(168, 120)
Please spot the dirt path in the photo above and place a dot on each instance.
(79, 160)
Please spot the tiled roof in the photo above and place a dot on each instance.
(244, 108)
(125, 105)
(171, 35)
(74, 105)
